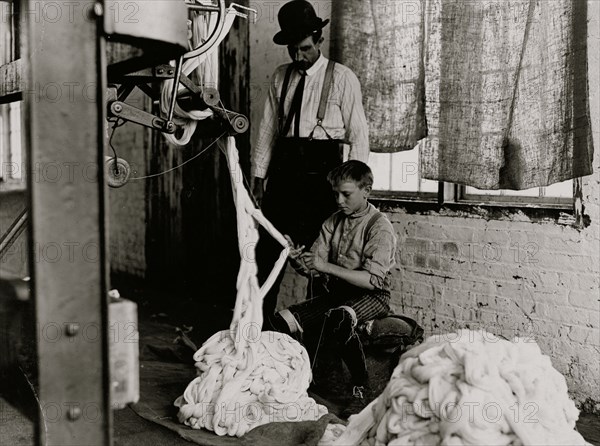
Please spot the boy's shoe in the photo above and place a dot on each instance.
(361, 397)
(358, 392)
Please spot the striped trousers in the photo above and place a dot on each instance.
(322, 320)
(366, 304)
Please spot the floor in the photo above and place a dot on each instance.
(129, 429)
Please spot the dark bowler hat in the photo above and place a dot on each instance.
(297, 20)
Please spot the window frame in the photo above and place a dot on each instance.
(456, 193)
(7, 150)
(11, 91)
(451, 204)
(517, 200)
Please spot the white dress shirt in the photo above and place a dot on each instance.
(344, 117)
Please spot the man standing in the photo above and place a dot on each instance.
(313, 109)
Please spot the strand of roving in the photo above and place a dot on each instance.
(469, 388)
(247, 377)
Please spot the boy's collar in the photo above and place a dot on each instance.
(362, 213)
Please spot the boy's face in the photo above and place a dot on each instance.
(350, 198)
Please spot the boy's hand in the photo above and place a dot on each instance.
(295, 254)
(313, 261)
(295, 251)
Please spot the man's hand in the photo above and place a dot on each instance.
(315, 262)
(258, 189)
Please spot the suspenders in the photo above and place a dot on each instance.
(374, 218)
(324, 96)
(284, 124)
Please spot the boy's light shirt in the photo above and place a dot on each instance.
(346, 244)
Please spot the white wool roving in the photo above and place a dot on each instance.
(470, 388)
(246, 377)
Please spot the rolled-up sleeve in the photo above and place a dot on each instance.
(267, 132)
(353, 114)
(322, 244)
(379, 252)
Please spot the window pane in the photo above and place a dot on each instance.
(405, 171)
(533, 192)
(15, 140)
(11, 159)
(429, 186)
(8, 51)
(399, 172)
(558, 190)
(562, 190)
(3, 149)
(380, 165)
(474, 191)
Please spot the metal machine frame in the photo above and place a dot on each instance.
(69, 292)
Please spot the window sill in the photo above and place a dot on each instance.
(12, 186)
(521, 212)
(424, 197)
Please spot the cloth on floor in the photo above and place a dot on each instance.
(163, 375)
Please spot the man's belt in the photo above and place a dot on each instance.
(304, 155)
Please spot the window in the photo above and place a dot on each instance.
(11, 159)
(11, 153)
(397, 175)
(9, 43)
(555, 195)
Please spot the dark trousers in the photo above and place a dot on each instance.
(297, 200)
(322, 320)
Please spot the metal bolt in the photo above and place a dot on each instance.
(160, 71)
(72, 328)
(117, 108)
(170, 72)
(74, 413)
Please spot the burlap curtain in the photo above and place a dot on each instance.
(506, 87)
(383, 42)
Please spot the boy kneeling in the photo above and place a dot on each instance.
(351, 260)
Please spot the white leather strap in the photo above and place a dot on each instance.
(291, 320)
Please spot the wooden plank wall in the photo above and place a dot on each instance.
(191, 243)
